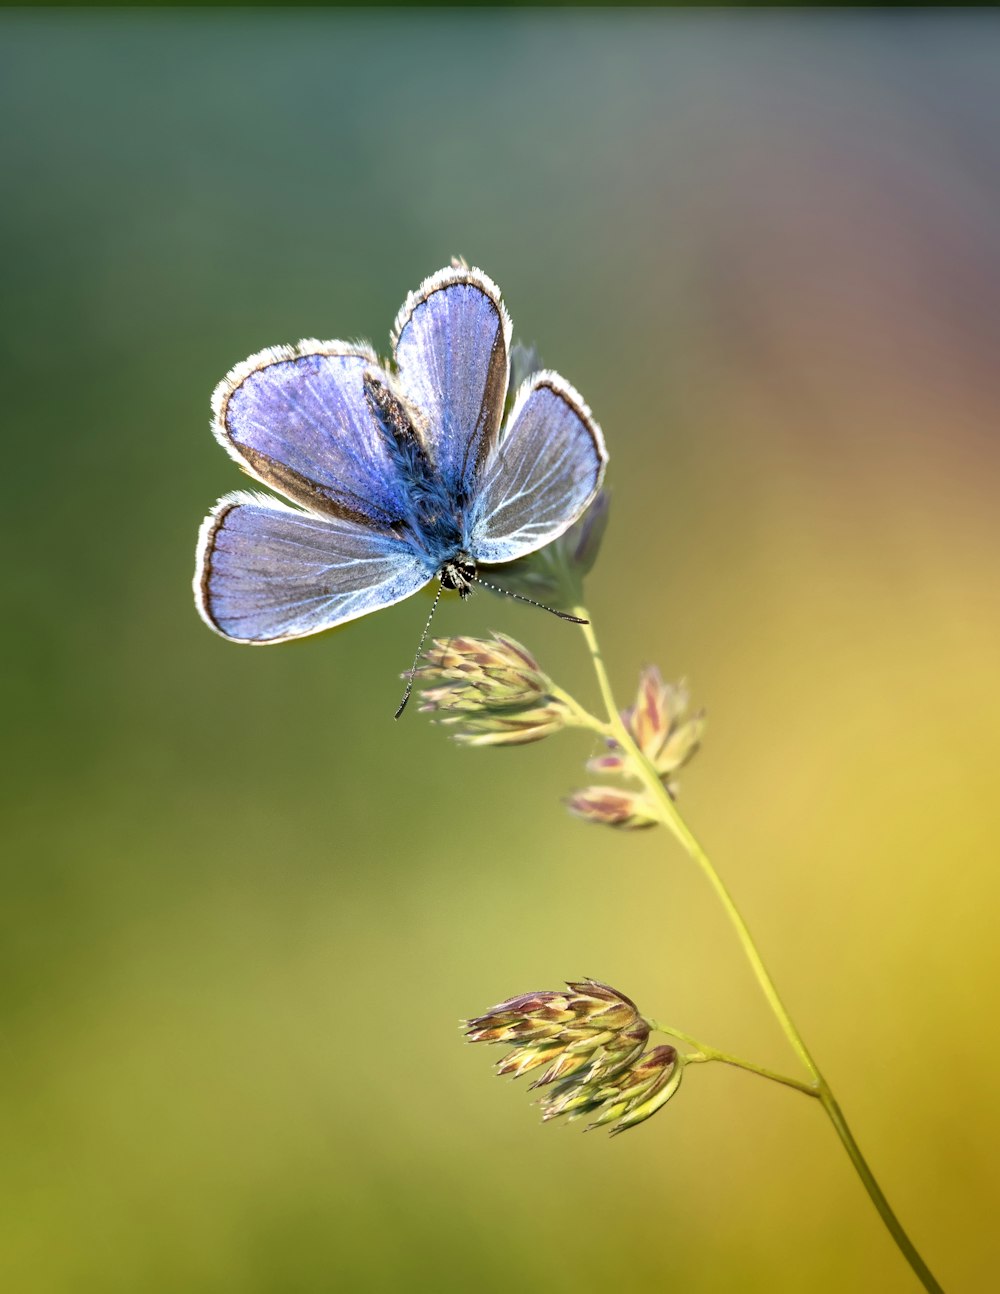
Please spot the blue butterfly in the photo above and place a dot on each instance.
(395, 474)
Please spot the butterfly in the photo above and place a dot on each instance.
(392, 474)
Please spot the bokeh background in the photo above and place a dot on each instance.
(243, 911)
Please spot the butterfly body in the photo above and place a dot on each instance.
(392, 474)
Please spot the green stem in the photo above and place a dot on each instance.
(581, 717)
(706, 1053)
(671, 818)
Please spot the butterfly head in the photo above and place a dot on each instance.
(458, 572)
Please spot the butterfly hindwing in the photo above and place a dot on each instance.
(267, 572)
(545, 471)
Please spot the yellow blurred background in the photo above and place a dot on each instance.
(243, 911)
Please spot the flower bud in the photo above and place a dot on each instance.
(626, 1098)
(582, 542)
(587, 1034)
(524, 361)
(657, 723)
(658, 726)
(612, 806)
(591, 1043)
(492, 691)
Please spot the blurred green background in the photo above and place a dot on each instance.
(243, 910)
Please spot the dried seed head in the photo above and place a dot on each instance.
(491, 691)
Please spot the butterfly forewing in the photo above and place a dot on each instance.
(452, 349)
(298, 420)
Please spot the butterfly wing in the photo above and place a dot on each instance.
(296, 418)
(266, 572)
(451, 346)
(545, 470)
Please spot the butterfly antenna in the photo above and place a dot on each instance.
(420, 647)
(563, 615)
